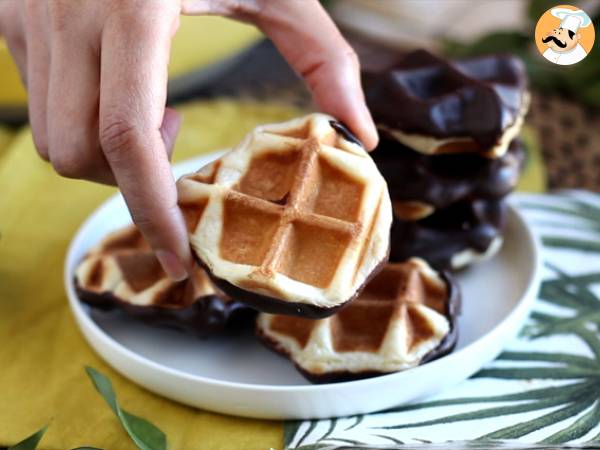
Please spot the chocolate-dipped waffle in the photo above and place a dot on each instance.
(294, 220)
(451, 238)
(434, 106)
(406, 315)
(122, 273)
(420, 184)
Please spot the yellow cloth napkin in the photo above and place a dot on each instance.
(6, 136)
(42, 353)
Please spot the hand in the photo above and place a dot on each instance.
(96, 74)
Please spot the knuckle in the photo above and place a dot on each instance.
(69, 166)
(31, 7)
(118, 135)
(33, 12)
(141, 18)
(58, 13)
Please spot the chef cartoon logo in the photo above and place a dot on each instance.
(564, 35)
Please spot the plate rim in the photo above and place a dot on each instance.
(87, 325)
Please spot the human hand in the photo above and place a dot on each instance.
(96, 74)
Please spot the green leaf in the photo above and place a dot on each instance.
(577, 429)
(572, 226)
(312, 425)
(579, 286)
(566, 358)
(577, 209)
(347, 441)
(569, 325)
(523, 428)
(332, 424)
(145, 435)
(583, 279)
(592, 341)
(389, 438)
(31, 442)
(543, 317)
(585, 245)
(568, 293)
(564, 392)
(313, 447)
(357, 420)
(87, 448)
(559, 295)
(481, 414)
(290, 428)
(545, 373)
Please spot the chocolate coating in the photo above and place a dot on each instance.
(453, 311)
(208, 315)
(442, 180)
(423, 94)
(341, 129)
(446, 346)
(272, 305)
(437, 238)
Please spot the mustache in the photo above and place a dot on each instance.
(556, 41)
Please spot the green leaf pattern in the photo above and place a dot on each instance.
(145, 435)
(545, 388)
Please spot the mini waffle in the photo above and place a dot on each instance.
(454, 237)
(294, 220)
(434, 106)
(420, 184)
(406, 315)
(122, 273)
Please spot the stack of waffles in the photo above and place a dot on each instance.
(449, 151)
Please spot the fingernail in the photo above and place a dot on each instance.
(171, 265)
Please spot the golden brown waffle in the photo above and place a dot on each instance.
(405, 316)
(121, 272)
(295, 219)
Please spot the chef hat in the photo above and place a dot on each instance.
(571, 19)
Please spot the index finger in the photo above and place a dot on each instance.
(309, 40)
(135, 54)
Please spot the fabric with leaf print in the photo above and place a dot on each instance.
(544, 388)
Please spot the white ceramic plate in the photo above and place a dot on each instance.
(237, 375)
